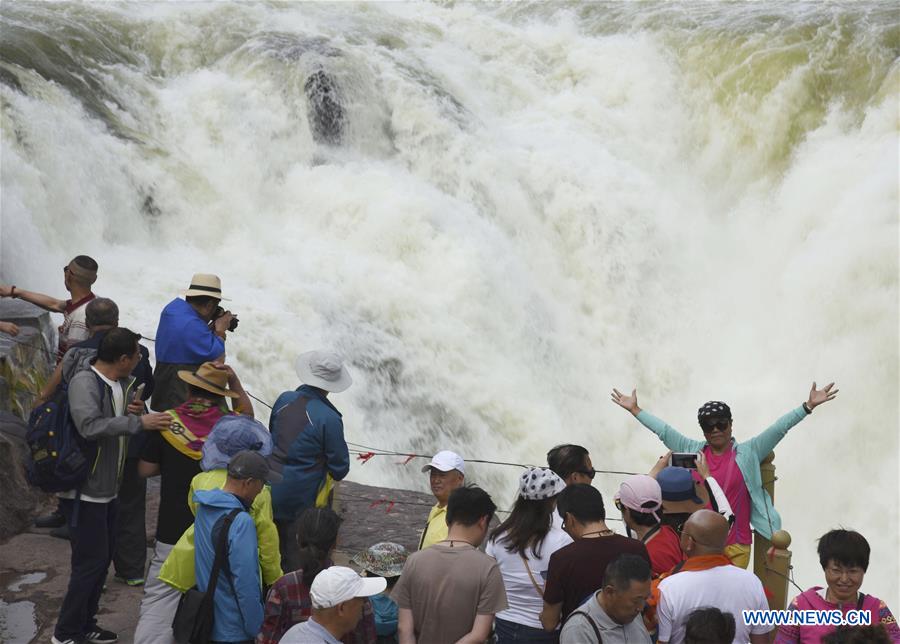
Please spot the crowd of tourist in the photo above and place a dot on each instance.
(245, 535)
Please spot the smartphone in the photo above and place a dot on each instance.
(684, 459)
(138, 393)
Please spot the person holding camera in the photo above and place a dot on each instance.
(191, 331)
(735, 466)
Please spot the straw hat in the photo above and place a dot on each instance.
(205, 285)
(210, 378)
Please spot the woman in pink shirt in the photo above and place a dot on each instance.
(844, 556)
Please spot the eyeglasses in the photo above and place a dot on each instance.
(588, 473)
(721, 426)
(619, 506)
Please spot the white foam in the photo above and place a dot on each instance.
(527, 210)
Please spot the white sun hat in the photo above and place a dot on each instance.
(324, 370)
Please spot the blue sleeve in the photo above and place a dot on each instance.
(671, 437)
(766, 441)
(200, 344)
(243, 558)
(336, 453)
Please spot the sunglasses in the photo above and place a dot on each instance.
(721, 426)
(588, 473)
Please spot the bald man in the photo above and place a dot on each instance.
(709, 579)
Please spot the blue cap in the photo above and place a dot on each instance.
(233, 434)
(677, 484)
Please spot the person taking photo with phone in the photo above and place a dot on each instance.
(735, 466)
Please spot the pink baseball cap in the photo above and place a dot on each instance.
(640, 493)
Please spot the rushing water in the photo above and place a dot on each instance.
(497, 213)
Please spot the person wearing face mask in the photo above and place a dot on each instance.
(735, 466)
(612, 614)
(844, 555)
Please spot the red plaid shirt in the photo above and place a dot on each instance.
(289, 603)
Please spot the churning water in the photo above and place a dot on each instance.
(497, 213)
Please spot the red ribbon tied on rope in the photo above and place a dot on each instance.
(409, 457)
(365, 457)
(377, 502)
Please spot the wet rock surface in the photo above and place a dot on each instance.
(25, 364)
(372, 514)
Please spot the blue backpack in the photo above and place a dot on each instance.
(61, 459)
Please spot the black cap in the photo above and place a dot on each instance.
(251, 465)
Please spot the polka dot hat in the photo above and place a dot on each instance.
(538, 483)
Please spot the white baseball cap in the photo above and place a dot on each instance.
(338, 584)
(446, 461)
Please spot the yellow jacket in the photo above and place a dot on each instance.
(178, 568)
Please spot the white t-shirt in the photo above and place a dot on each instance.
(728, 588)
(118, 401)
(118, 396)
(557, 520)
(525, 604)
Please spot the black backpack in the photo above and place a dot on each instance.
(61, 459)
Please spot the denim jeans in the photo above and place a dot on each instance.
(510, 632)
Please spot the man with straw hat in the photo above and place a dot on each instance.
(191, 331)
(309, 447)
(175, 455)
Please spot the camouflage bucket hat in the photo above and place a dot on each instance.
(384, 559)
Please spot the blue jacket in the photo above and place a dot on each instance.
(307, 444)
(763, 517)
(236, 618)
(184, 337)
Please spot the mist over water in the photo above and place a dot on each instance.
(526, 206)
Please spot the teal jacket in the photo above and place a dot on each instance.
(763, 517)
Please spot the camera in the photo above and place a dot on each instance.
(220, 312)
